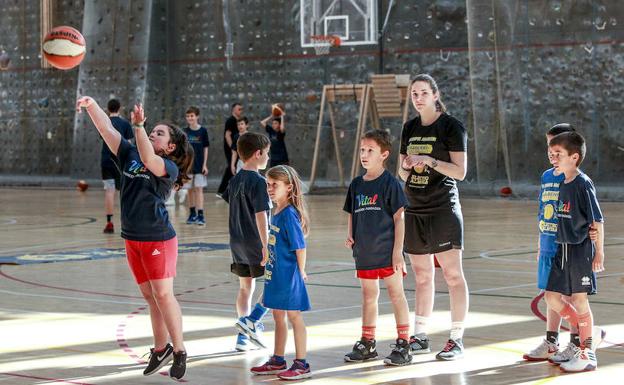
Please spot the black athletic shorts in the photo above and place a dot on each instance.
(112, 172)
(242, 270)
(572, 271)
(434, 233)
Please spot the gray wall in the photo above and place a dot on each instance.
(531, 64)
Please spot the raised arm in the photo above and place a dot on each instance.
(153, 162)
(102, 122)
(265, 121)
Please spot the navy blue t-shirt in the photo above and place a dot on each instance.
(125, 129)
(247, 195)
(143, 195)
(278, 146)
(199, 140)
(372, 205)
(231, 124)
(578, 209)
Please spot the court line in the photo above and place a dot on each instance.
(99, 300)
(88, 220)
(5, 275)
(44, 378)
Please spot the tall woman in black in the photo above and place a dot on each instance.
(433, 157)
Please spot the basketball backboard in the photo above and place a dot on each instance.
(354, 21)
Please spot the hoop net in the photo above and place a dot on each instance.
(323, 43)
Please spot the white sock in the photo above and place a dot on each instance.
(420, 325)
(457, 330)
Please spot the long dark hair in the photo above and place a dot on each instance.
(434, 87)
(183, 154)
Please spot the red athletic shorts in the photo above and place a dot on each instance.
(382, 273)
(151, 260)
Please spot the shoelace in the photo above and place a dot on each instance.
(150, 354)
(450, 344)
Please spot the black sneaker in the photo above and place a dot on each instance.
(362, 350)
(178, 368)
(419, 344)
(453, 350)
(158, 359)
(400, 354)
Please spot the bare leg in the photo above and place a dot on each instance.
(159, 328)
(281, 332)
(451, 263)
(423, 268)
(243, 300)
(170, 310)
(300, 333)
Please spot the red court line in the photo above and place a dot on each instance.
(535, 309)
(5, 275)
(45, 378)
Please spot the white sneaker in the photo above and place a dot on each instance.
(542, 352)
(564, 355)
(583, 360)
(182, 193)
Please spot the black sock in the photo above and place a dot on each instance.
(575, 339)
(193, 211)
(109, 218)
(200, 212)
(552, 337)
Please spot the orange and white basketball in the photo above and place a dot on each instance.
(277, 109)
(64, 47)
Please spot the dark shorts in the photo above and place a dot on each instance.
(242, 270)
(571, 271)
(111, 172)
(434, 233)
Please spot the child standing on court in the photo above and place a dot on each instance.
(375, 203)
(577, 258)
(149, 171)
(548, 349)
(249, 233)
(284, 287)
(198, 137)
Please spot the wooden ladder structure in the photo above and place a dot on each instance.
(385, 97)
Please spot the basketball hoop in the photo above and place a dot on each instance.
(322, 43)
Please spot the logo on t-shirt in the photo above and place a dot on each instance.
(135, 169)
(563, 211)
(365, 202)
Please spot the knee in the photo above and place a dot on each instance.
(552, 299)
(396, 295)
(454, 278)
(580, 304)
(294, 317)
(161, 296)
(370, 297)
(424, 277)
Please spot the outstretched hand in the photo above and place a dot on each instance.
(84, 102)
(137, 115)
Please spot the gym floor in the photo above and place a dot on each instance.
(81, 320)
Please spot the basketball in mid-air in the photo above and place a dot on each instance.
(64, 47)
(277, 109)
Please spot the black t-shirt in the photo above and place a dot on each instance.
(235, 137)
(231, 124)
(577, 209)
(125, 129)
(429, 191)
(372, 205)
(198, 140)
(143, 195)
(247, 195)
(278, 146)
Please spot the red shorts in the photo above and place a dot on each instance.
(151, 260)
(382, 273)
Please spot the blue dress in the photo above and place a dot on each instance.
(284, 288)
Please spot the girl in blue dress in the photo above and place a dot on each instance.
(284, 286)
